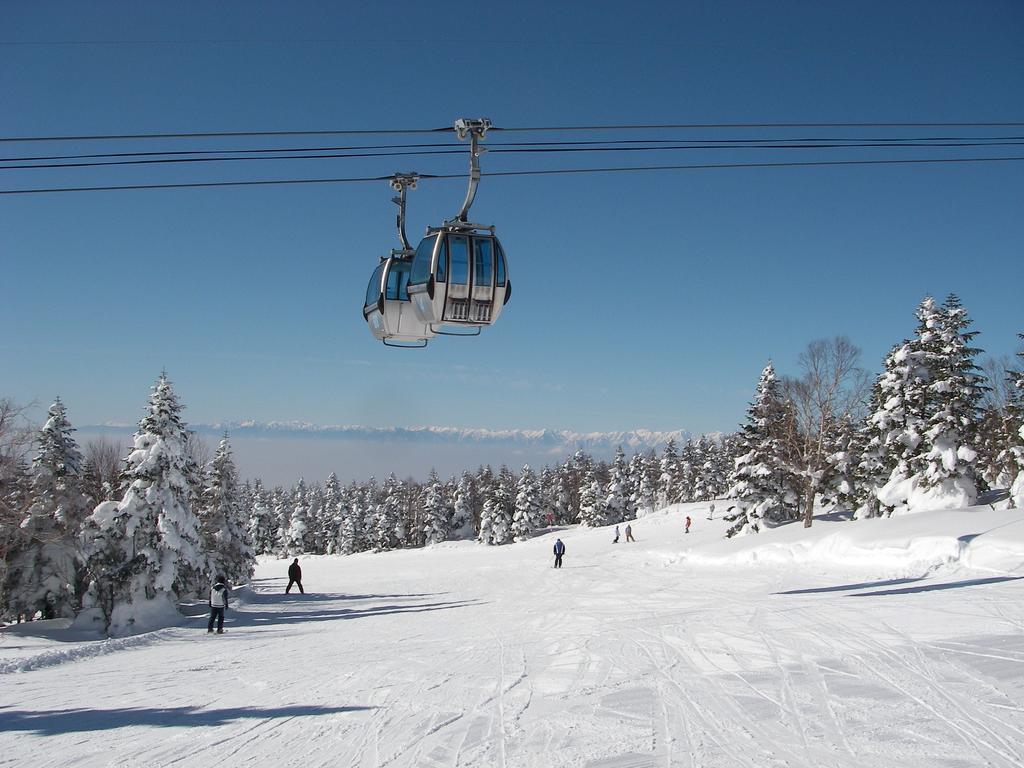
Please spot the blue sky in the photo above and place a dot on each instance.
(641, 300)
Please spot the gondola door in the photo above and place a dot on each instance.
(483, 280)
(457, 301)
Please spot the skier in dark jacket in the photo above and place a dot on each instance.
(294, 577)
(559, 551)
(219, 593)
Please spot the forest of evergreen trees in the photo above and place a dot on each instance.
(933, 431)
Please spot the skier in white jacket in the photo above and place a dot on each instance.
(218, 604)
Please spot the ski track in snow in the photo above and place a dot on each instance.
(628, 657)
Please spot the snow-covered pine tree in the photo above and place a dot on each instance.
(316, 541)
(506, 495)
(991, 440)
(463, 526)
(224, 534)
(483, 485)
(149, 554)
(631, 487)
(625, 480)
(246, 501)
(262, 525)
(561, 498)
(592, 514)
(706, 483)
(371, 500)
(718, 466)
(689, 474)
(527, 516)
(930, 396)
(581, 467)
(615, 501)
(875, 463)
(640, 479)
(666, 488)
(435, 511)
(281, 501)
(297, 538)
(387, 517)
(346, 540)
(946, 460)
(487, 516)
(44, 564)
(354, 525)
(756, 483)
(703, 461)
(839, 484)
(332, 515)
(414, 533)
(729, 450)
(405, 514)
(653, 474)
(545, 490)
(502, 506)
(896, 427)
(450, 488)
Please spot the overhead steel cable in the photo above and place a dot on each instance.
(154, 153)
(539, 172)
(742, 126)
(509, 129)
(197, 185)
(517, 150)
(846, 141)
(227, 134)
(176, 160)
(711, 166)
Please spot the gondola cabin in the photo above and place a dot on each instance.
(459, 278)
(388, 309)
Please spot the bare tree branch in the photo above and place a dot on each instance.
(17, 436)
(198, 450)
(832, 387)
(1000, 389)
(104, 455)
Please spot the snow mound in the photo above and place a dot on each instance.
(79, 652)
(977, 538)
(925, 553)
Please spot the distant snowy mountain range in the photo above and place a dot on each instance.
(279, 452)
(545, 439)
(630, 440)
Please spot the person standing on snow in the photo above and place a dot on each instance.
(294, 577)
(711, 510)
(559, 551)
(629, 533)
(218, 604)
(687, 524)
(616, 539)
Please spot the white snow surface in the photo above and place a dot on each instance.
(889, 642)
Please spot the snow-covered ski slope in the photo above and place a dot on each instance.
(879, 643)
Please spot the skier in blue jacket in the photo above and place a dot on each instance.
(559, 551)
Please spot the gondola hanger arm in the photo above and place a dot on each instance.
(401, 182)
(475, 130)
